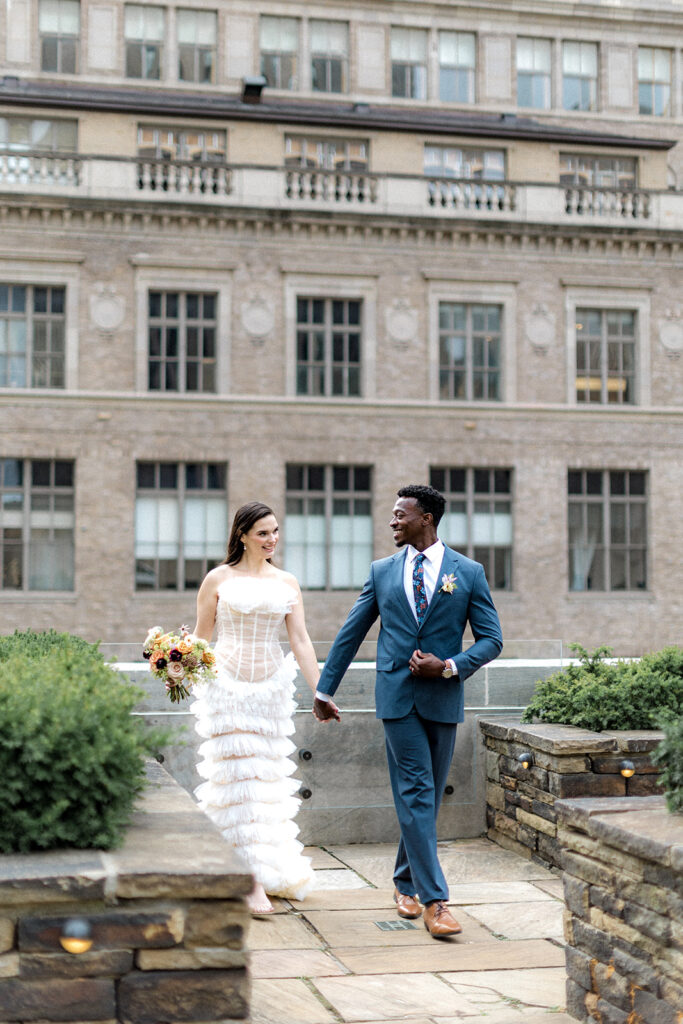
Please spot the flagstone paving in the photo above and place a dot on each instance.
(331, 960)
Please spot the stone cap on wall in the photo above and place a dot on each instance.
(170, 849)
(568, 739)
(641, 826)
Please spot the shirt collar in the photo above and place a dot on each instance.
(433, 553)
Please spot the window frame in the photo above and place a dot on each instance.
(581, 77)
(295, 55)
(470, 70)
(653, 82)
(409, 66)
(328, 57)
(475, 293)
(62, 273)
(546, 77)
(329, 365)
(60, 39)
(161, 277)
(28, 488)
(325, 286)
(197, 48)
(328, 494)
(181, 491)
(603, 371)
(160, 44)
(610, 299)
(470, 497)
(606, 500)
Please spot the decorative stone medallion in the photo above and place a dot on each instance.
(539, 327)
(257, 318)
(401, 322)
(671, 334)
(107, 307)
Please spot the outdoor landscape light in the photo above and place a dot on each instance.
(627, 768)
(526, 758)
(76, 935)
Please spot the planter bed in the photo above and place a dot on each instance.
(623, 888)
(566, 762)
(166, 913)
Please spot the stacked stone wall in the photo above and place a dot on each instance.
(623, 884)
(167, 918)
(566, 762)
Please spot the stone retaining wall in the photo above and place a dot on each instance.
(567, 762)
(167, 915)
(623, 885)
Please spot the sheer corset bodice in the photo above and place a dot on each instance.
(249, 615)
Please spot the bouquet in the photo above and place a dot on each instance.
(180, 659)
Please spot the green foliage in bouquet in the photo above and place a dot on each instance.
(71, 754)
(596, 694)
(669, 753)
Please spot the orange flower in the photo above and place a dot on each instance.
(155, 655)
(184, 646)
(209, 658)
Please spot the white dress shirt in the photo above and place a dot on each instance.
(431, 566)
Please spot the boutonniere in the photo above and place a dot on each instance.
(448, 584)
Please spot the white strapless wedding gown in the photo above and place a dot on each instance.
(245, 717)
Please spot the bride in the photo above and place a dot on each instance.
(245, 713)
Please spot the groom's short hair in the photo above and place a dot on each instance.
(429, 499)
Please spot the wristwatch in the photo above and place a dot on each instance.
(447, 672)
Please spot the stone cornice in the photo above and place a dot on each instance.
(510, 238)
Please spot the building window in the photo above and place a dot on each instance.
(598, 171)
(534, 73)
(654, 81)
(580, 76)
(180, 523)
(162, 143)
(196, 46)
(470, 351)
(409, 63)
(457, 66)
(605, 356)
(280, 51)
(182, 341)
(329, 56)
(328, 346)
(328, 526)
(32, 336)
(326, 154)
(144, 31)
(607, 529)
(38, 134)
(478, 517)
(59, 26)
(471, 164)
(36, 524)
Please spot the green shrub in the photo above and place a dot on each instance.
(71, 753)
(596, 694)
(670, 754)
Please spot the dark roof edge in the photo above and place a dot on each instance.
(23, 93)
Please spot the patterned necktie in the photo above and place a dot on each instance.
(421, 603)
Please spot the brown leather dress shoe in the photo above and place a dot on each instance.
(407, 906)
(439, 921)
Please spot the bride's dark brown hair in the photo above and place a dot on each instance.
(245, 517)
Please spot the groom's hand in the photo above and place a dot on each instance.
(427, 666)
(326, 710)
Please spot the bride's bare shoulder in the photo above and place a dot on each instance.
(215, 577)
(287, 577)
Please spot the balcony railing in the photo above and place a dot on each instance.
(398, 195)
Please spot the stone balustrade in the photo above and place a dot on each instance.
(215, 183)
(167, 918)
(565, 762)
(623, 887)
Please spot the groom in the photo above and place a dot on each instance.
(425, 595)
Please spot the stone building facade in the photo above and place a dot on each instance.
(311, 252)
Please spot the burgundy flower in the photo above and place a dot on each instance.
(175, 654)
(160, 663)
(146, 654)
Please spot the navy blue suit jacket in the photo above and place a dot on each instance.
(396, 689)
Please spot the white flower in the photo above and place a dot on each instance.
(448, 584)
(175, 671)
(154, 632)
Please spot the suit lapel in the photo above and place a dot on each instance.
(448, 565)
(398, 570)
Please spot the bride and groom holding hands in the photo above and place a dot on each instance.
(424, 596)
